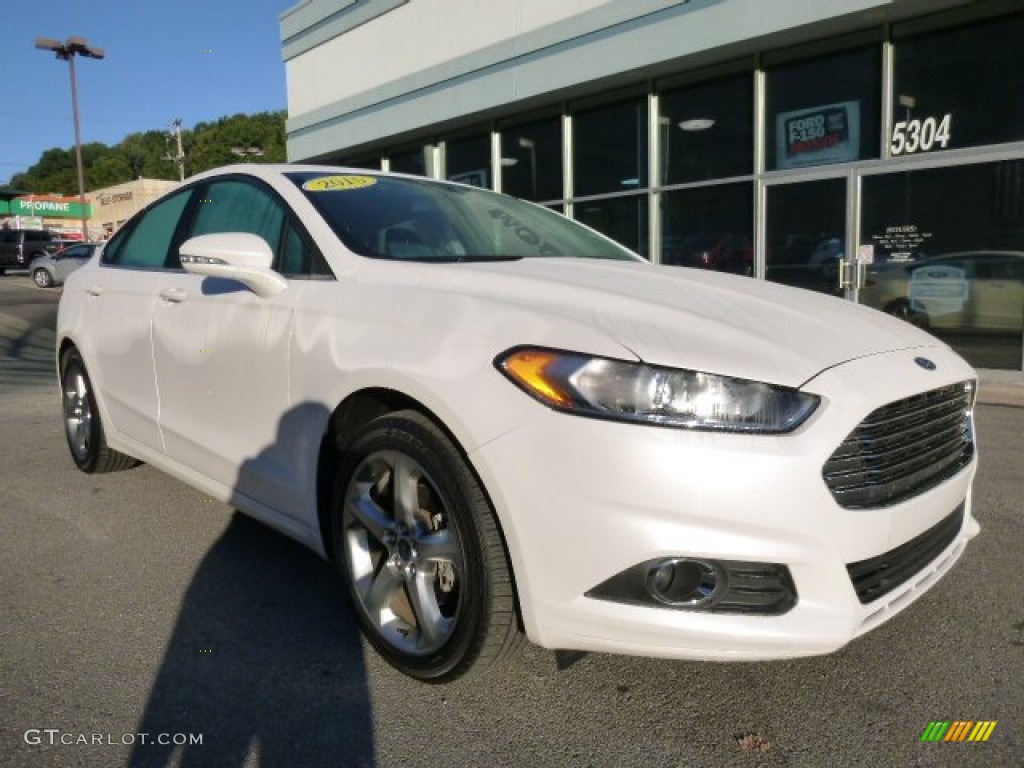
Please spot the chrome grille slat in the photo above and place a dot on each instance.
(890, 457)
(876, 469)
(919, 413)
(909, 435)
(902, 449)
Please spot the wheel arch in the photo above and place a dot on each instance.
(66, 343)
(352, 414)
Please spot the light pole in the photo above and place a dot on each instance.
(247, 152)
(75, 46)
(531, 147)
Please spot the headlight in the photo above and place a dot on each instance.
(629, 391)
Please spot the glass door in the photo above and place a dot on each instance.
(805, 235)
(944, 249)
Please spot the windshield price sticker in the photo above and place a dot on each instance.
(338, 183)
(910, 136)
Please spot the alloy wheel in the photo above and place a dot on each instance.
(404, 553)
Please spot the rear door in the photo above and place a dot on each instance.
(120, 298)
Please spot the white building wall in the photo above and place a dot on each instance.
(413, 37)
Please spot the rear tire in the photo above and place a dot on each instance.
(419, 550)
(82, 426)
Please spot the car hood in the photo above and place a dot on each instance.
(684, 318)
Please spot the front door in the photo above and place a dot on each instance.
(221, 359)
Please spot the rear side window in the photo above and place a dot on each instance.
(146, 244)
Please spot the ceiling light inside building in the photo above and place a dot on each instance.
(697, 124)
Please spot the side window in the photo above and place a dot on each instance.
(237, 206)
(300, 258)
(77, 252)
(146, 244)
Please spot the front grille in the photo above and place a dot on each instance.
(876, 577)
(902, 449)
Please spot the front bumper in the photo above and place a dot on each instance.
(581, 500)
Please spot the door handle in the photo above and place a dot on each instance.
(173, 295)
(94, 290)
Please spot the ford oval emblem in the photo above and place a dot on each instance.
(925, 363)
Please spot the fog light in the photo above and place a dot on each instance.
(710, 586)
(682, 581)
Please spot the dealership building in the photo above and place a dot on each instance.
(872, 149)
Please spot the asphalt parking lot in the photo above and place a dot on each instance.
(132, 605)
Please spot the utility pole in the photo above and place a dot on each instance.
(179, 158)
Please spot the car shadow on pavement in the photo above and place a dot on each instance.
(265, 660)
(26, 354)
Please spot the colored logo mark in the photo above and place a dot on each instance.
(958, 730)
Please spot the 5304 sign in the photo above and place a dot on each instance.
(910, 136)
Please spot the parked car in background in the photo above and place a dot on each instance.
(53, 269)
(18, 247)
(967, 291)
(493, 419)
(720, 252)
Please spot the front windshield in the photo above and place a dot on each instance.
(419, 220)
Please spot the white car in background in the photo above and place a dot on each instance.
(497, 422)
(972, 291)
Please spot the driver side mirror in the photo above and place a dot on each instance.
(235, 256)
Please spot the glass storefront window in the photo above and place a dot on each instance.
(623, 219)
(468, 161)
(707, 131)
(806, 222)
(959, 88)
(709, 228)
(824, 111)
(370, 164)
(610, 148)
(416, 162)
(948, 255)
(531, 160)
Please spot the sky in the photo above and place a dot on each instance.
(197, 60)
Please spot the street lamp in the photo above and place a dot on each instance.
(531, 147)
(75, 46)
(247, 152)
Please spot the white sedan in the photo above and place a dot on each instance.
(498, 423)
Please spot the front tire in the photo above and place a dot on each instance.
(42, 278)
(82, 425)
(419, 550)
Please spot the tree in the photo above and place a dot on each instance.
(207, 145)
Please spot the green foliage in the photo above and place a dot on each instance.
(207, 145)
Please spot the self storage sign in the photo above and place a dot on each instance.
(825, 134)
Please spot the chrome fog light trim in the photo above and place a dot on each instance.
(684, 582)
